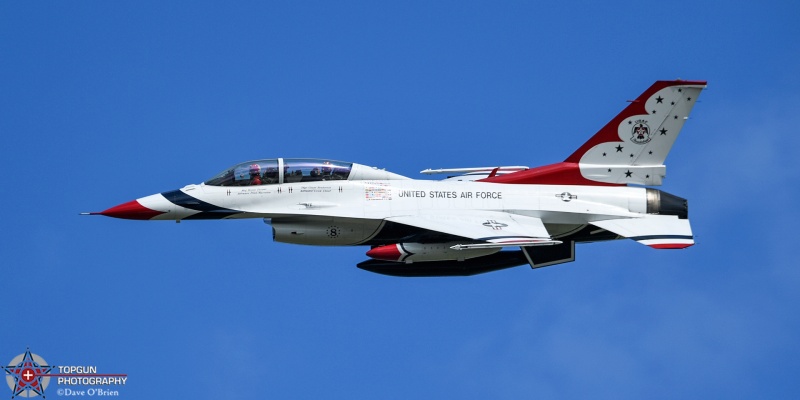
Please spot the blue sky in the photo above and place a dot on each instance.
(105, 102)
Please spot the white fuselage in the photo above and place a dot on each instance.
(558, 204)
(360, 207)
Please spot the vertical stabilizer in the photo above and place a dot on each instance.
(631, 148)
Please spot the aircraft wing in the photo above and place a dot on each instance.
(657, 231)
(487, 228)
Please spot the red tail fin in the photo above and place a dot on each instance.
(630, 149)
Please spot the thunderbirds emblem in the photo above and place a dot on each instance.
(640, 134)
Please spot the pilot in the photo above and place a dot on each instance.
(339, 173)
(271, 175)
(255, 174)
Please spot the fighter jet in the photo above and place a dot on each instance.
(477, 219)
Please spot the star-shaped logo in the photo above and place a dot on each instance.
(27, 373)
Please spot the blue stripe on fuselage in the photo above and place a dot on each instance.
(207, 210)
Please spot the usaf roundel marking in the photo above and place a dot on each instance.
(494, 225)
(640, 133)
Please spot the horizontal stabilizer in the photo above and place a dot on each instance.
(656, 231)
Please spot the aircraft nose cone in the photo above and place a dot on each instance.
(130, 210)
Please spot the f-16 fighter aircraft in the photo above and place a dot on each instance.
(459, 225)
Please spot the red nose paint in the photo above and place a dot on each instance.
(130, 210)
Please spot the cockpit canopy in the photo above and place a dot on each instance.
(281, 170)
